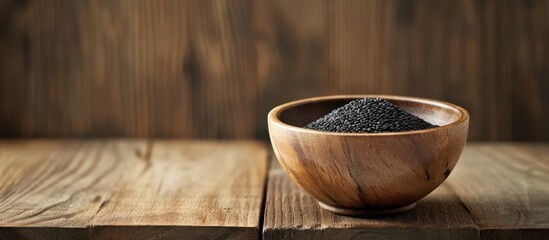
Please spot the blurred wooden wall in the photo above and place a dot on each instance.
(213, 69)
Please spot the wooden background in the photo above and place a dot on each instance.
(213, 69)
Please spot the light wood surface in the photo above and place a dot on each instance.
(368, 173)
(123, 189)
(131, 189)
(213, 69)
(497, 191)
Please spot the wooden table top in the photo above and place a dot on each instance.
(497, 191)
(172, 189)
(131, 189)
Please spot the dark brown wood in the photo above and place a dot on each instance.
(497, 191)
(126, 68)
(368, 173)
(131, 189)
(191, 68)
(221, 67)
(95, 68)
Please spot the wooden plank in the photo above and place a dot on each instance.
(505, 186)
(292, 52)
(131, 189)
(496, 191)
(221, 66)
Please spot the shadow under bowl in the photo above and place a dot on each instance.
(367, 174)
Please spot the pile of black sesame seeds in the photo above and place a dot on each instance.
(369, 115)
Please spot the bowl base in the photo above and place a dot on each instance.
(367, 212)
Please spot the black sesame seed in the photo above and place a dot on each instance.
(370, 115)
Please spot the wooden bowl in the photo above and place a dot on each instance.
(368, 173)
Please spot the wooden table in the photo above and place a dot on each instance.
(131, 189)
(497, 191)
(171, 189)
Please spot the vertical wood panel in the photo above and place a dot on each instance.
(292, 56)
(221, 66)
(476, 54)
(13, 51)
(213, 69)
(419, 48)
(98, 68)
(160, 99)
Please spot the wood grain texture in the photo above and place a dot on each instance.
(497, 191)
(488, 56)
(213, 69)
(126, 68)
(131, 189)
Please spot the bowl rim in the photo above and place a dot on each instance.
(274, 114)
